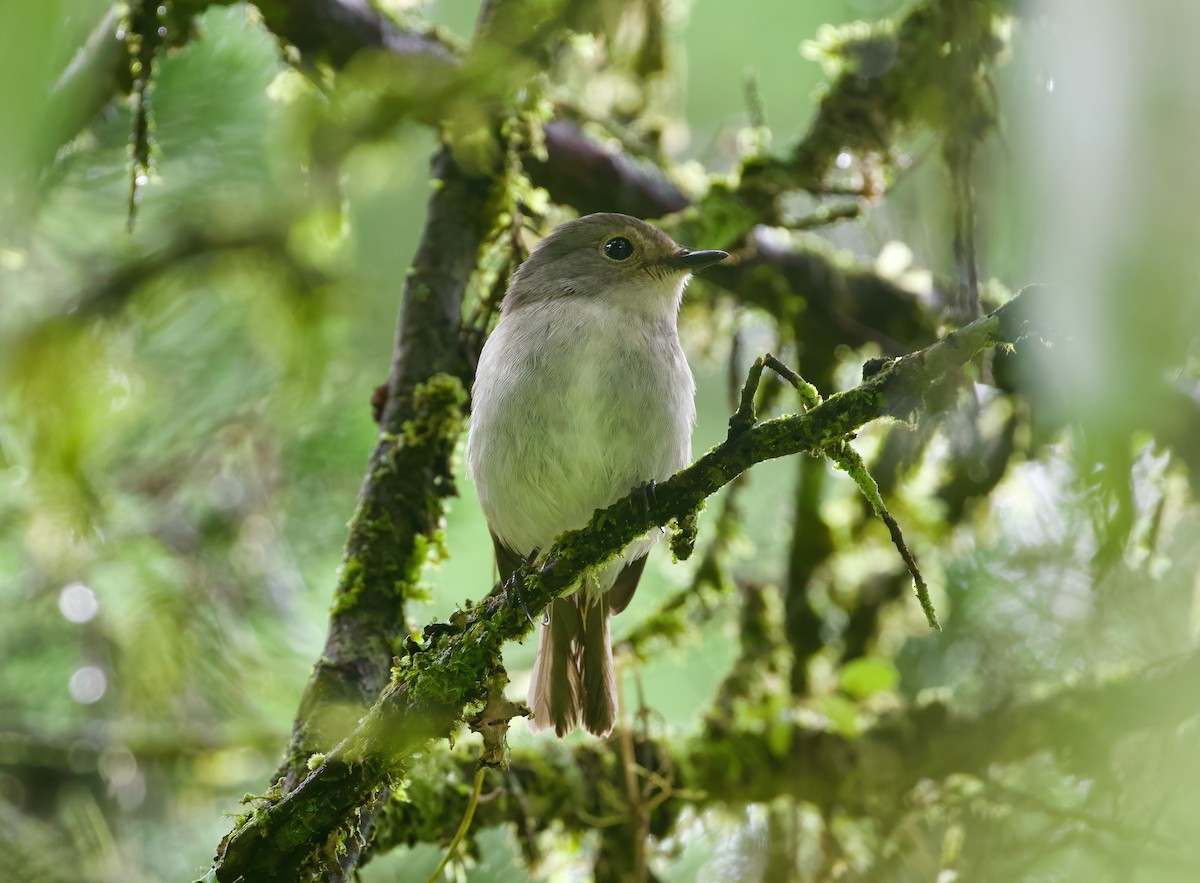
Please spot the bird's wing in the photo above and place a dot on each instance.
(625, 585)
(507, 561)
(619, 596)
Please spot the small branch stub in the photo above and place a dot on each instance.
(492, 724)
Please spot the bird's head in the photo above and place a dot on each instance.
(614, 257)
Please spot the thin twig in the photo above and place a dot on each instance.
(851, 462)
(472, 802)
(638, 817)
(733, 372)
(809, 394)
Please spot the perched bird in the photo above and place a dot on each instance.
(582, 394)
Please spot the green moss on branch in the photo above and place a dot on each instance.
(925, 70)
(554, 785)
(397, 521)
(435, 685)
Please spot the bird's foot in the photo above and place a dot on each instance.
(514, 586)
(645, 494)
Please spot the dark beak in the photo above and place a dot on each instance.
(695, 260)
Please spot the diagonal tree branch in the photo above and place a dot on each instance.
(401, 503)
(434, 685)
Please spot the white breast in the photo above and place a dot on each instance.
(575, 402)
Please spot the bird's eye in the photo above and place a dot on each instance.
(618, 248)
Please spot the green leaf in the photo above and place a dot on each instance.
(861, 678)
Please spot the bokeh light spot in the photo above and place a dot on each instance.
(88, 684)
(78, 603)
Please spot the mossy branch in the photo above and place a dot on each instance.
(590, 176)
(851, 462)
(925, 69)
(434, 686)
(565, 787)
(401, 502)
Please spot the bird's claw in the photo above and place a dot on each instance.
(646, 493)
(512, 591)
(514, 586)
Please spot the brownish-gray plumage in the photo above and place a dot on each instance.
(582, 393)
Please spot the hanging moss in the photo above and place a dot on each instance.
(927, 69)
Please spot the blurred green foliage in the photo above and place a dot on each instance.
(184, 423)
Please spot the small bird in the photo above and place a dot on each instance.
(582, 394)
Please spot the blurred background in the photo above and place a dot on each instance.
(185, 421)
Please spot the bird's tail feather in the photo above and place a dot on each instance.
(573, 678)
(599, 681)
(554, 689)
